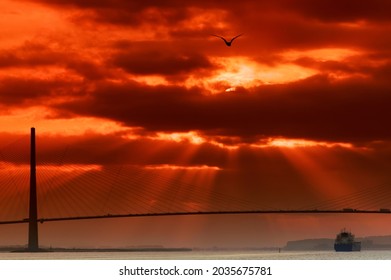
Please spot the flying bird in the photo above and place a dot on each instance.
(228, 43)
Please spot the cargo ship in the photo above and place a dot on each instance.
(344, 242)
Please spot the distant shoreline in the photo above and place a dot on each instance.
(78, 250)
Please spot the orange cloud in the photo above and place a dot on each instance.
(295, 110)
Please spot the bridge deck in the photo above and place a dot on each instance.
(110, 216)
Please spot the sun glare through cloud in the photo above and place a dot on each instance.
(245, 104)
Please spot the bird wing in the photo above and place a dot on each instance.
(220, 38)
(236, 37)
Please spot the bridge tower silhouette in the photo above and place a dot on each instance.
(33, 245)
(367, 198)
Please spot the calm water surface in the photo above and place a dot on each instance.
(202, 255)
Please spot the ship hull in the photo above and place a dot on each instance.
(348, 247)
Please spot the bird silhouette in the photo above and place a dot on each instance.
(228, 43)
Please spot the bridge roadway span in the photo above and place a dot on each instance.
(110, 216)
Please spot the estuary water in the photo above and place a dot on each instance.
(202, 255)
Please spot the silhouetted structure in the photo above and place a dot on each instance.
(33, 223)
(33, 219)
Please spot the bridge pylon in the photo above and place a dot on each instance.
(33, 209)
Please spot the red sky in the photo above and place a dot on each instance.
(295, 112)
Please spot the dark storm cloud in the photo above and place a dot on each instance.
(175, 11)
(271, 26)
(124, 12)
(31, 55)
(344, 10)
(316, 108)
(8, 59)
(28, 92)
(283, 32)
(161, 62)
(88, 69)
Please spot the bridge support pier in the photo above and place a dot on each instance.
(33, 211)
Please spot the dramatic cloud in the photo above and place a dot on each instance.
(24, 93)
(295, 111)
(317, 108)
(162, 62)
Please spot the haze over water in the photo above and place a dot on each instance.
(202, 255)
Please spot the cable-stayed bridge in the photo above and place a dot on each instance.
(50, 190)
